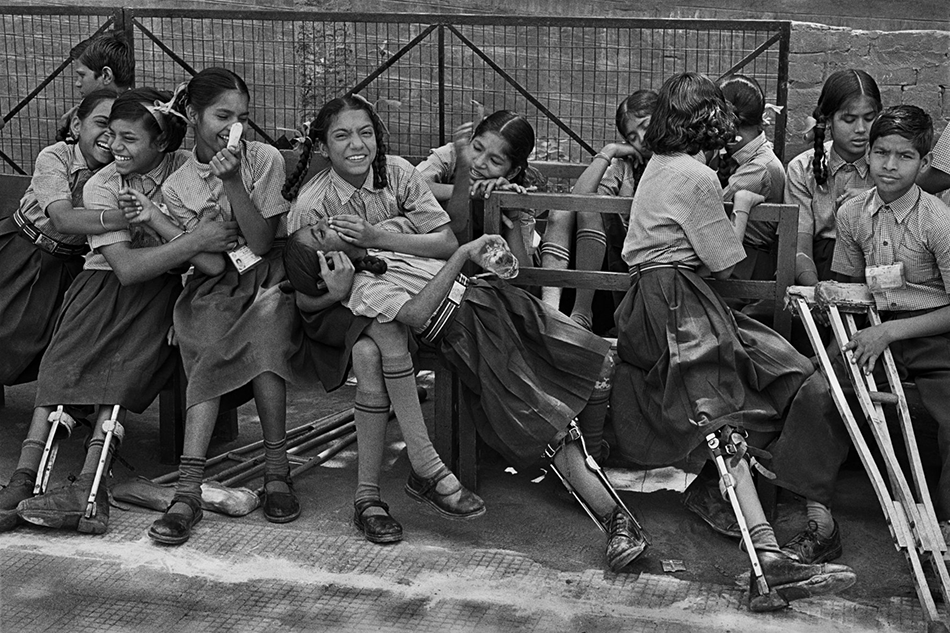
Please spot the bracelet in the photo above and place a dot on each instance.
(742, 211)
(177, 236)
(602, 155)
(102, 220)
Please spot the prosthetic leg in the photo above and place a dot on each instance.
(626, 538)
(62, 427)
(911, 520)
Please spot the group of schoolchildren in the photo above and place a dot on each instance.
(125, 246)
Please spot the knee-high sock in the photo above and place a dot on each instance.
(591, 418)
(400, 379)
(570, 461)
(275, 457)
(191, 470)
(371, 414)
(30, 454)
(763, 536)
(591, 246)
(557, 257)
(821, 515)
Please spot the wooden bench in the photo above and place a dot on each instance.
(454, 434)
(171, 410)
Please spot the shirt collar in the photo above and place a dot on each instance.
(202, 169)
(78, 161)
(159, 173)
(835, 162)
(344, 189)
(901, 207)
(743, 155)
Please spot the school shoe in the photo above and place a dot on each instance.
(65, 508)
(808, 546)
(468, 506)
(625, 541)
(377, 528)
(280, 507)
(702, 498)
(174, 528)
(790, 580)
(18, 489)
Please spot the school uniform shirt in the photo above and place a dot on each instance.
(60, 173)
(816, 205)
(760, 171)
(382, 296)
(940, 155)
(677, 217)
(439, 165)
(102, 192)
(914, 229)
(407, 196)
(193, 190)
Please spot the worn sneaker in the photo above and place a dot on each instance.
(809, 547)
(702, 498)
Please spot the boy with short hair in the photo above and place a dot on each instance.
(104, 62)
(897, 237)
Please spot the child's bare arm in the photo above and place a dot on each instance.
(69, 220)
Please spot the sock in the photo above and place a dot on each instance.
(591, 418)
(191, 471)
(557, 257)
(570, 460)
(93, 451)
(30, 455)
(821, 515)
(275, 457)
(591, 246)
(400, 379)
(763, 537)
(371, 414)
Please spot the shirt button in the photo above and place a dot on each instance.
(885, 242)
(893, 305)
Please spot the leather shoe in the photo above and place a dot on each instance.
(65, 507)
(468, 505)
(792, 580)
(280, 507)
(377, 528)
(19, 489)
(702, 498)
(809, 547)
(625, 541)
(174, 528)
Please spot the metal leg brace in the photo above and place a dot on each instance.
(113, 430)
(59, 420)
(911, 519)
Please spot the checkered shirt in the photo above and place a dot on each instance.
(940, 155)
(406, 196)
(439, 165)
(761, 172)
(193, 190)
(102, 192)
(677, 216)
(816, 205)
(914, 229)
(60, 173)
(383, 296)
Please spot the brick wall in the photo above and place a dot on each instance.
(910, 67)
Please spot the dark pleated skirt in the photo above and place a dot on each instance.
(32, 285)
(331, 334)
(110, 343)
(232, 328)
(532, 368)
(690, 365)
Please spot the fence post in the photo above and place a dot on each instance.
(442, 139)
(781, 118)
(123, 24)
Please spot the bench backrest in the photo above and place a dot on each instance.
(785, 215)
(12, 188)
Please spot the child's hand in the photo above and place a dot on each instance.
(137, 207)
(215, 236)
(847, 195)
(355, 230)
(475, 248)
(622, 150)
(462, 140)
(339, 280)
(868, 345)
(745, 200)
(483, 188)
(226, 164)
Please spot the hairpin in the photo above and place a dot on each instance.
(770, 107)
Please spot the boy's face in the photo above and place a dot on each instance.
(87, 80)
(894, 165)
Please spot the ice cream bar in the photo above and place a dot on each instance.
(234, 137)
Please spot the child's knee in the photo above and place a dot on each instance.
(606, 372)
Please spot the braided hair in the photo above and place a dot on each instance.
(839, 89)
(319, 129)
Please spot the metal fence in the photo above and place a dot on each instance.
(427, 74)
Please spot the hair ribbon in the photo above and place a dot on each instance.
(160, 109)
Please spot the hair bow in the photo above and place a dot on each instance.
(166, 108)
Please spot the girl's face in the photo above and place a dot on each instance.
(489, 156)
(634, 130)
(93, 134)
(213, 124)
(351, 145)
(322, 237)
(851, 125)
(135, 151)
